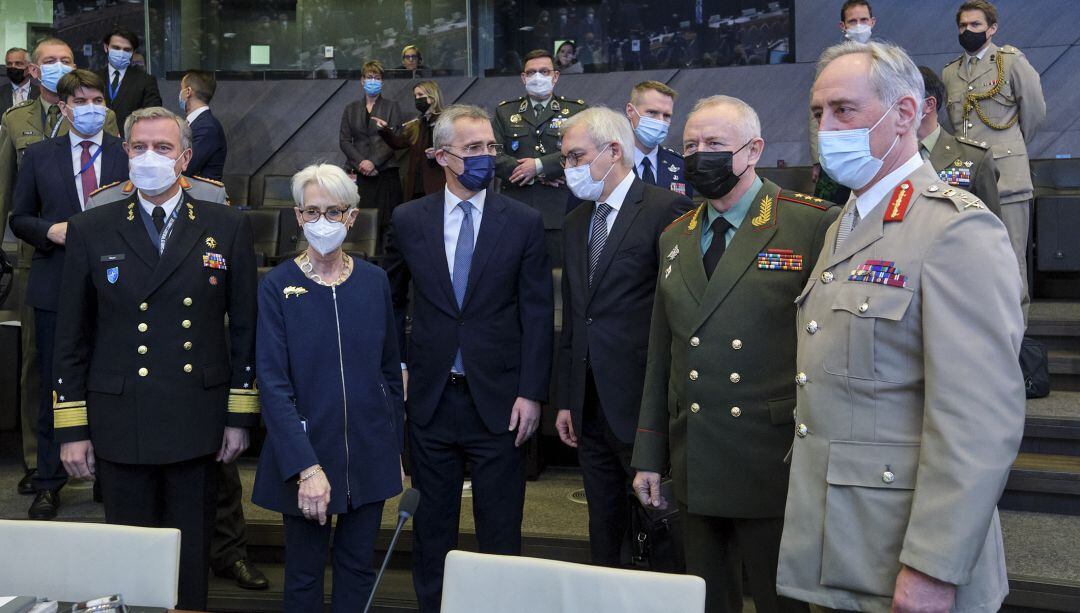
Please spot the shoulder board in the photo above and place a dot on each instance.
(1009, 49)
(981, 144)
(20, 105)
(803, 199)
(210, 181)
(956, 59)
(564, 99)
(184, 183)
(684, 217)
(104, 187)
(672, 151)
(512, 101)
(961, 199)
(128, 187)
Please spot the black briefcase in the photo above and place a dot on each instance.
(1035, 366)
(656, 538)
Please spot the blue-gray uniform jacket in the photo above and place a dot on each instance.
(330, 379)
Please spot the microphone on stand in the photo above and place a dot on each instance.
(406, 507)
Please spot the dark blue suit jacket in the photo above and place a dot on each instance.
(45, 194)
(506, 325)
(208, 147)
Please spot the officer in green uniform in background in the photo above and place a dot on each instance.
(528, 128)
(21, 126)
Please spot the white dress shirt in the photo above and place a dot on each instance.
(452, 216)
(20, 93)
(193, 115)
(112, 73)
(872, 197)
(76, 160)
(652, 155)
(615, 201)
(169, 206)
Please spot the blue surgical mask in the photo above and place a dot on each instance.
(119, 59)
(88, 118)
(478, 173)
(845, 155)
(372, 87)
(52, 73)
(650, 132)
(183, 103)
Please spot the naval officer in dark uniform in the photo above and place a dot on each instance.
(150, 388)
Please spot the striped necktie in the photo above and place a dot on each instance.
(847, 224)
(598, 236)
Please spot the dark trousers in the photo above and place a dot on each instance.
(306, 547)
(719, 548)
(439, 450)
(229, 542)
(179, 495)
(605, 467)
(50, 471)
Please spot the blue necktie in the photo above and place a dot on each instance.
(462, 263)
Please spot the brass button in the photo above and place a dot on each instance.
(693, 375)
(812, 327)
(143, 350)
(801, 431)
(144, 306)
(736, 411)
(187, 301)
(736, 344)
(694, 341)
(827, 277)
(143, 372)
(735, 378)
(187, 368)
(187, 346)
(186, 323)
(801, 379)
(888, 477)
(695, 407)
(864, 307)
(143, 327)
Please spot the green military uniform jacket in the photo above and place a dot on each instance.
(719, 391)
(1000, 103)
(968, 165)
(198, 188)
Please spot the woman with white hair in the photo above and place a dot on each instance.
(330, 383)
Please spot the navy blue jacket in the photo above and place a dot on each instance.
(505, 328)
(671, 172)
(208, 147)
(330, 383)
(45, 194)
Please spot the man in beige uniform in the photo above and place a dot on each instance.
(910, 404)
(995, 96)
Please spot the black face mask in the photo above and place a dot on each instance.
(711, 173)
(972, 41)
(16, 75)
(422, 105)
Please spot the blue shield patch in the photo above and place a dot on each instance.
(513, 145)
(112, 274)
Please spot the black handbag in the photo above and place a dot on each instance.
(1034, 364)
(656, 538)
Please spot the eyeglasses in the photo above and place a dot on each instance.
(574, 159)
(313, 214)
(543, 71)
(478, 149)
(411, 57)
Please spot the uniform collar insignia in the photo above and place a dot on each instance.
(674, 253)
(765, 212)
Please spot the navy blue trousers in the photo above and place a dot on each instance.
(50, 471)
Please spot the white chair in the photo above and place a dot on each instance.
(477, 583)
(76, 562)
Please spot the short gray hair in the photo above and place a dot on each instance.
(604, 126)
(159, 112)
(332, 179)
(749, 123)
(443, 132)
(893, 74)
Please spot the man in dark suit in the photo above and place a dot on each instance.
(149, 386)
(609, 276)
(479, 354)
(55, 180)
(19, 87)
(208, 147)
(128, 87)
(719, 391)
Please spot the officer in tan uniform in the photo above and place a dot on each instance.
(994, 95)
(910, 404)
(198, 188)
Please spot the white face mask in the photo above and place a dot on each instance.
(152, 173)
(538, 86)
(579, 179)
(845, 154)
(325, 235)
(859, 33)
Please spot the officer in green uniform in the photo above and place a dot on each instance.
(198, 188)
(528, 128)
(718, 399)
(21, 126)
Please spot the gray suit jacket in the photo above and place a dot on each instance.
(910, 405)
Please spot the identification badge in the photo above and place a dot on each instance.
(112, 275)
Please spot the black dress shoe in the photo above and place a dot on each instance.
(26, 486)
(45, 505)
(246, 575)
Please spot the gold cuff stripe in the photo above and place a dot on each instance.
(75, 404)
(69, 418)
(244, 404)
(243, 392)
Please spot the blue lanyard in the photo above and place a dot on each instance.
(91, 162)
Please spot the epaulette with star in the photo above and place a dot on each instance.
(104, 187)
(685, 216)
(803, 199)
(981, 144)
(961, 199)
(578, 101)
(1009, 49)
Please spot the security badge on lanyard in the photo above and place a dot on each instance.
(167, 230)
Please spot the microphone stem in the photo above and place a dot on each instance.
(386, 560)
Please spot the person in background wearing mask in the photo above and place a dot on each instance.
(528, 128)
(208, 146)
(719, 392)
(649, 111)
(424, 175)
(609, 276)
(22, 125)
(371, 156)
(83, 158)
(910, 402)
(128, 88)
(327, 355)
(18, 89)
(163, 389)
(479, 354)
(995, 97)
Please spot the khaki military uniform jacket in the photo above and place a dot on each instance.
(719, 394)
(968, 165)
(197, 188)
(910, 404)
(1000, 103)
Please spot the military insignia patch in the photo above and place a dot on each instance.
(131, 212)
(211, 243)
(897, 207)
(190, 211)
(779, 259)
(880, 272)
(694, 220)
(667, 271)
(292, 290)
(673, 168)
(112, 275)
(566, 111)
(514, 145)
(678, 187)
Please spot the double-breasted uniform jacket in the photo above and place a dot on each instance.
(969, 165)
(910, 404)
(1000, 103)
(145, 366)
(719, 393)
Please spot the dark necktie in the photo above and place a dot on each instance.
(462, 263)
(719, 243)
(598, 236)
(539, 108)
(647, 174)
(88, 178)
(158, 216)
(52, 116)
(115, 84)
